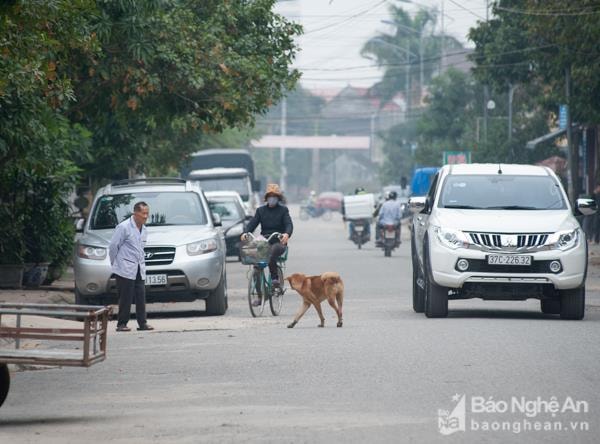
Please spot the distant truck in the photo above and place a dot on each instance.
(227, 179)
(421, 180)
(225, 170)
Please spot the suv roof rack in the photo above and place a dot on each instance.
(163, 180)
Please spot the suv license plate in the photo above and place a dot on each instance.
(156, 279)
(508, 259)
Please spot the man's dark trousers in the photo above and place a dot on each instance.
(129, 291)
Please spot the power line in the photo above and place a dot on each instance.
(551, 13)
(352, 17)
(466, 9)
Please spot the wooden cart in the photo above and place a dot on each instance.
(87, 344)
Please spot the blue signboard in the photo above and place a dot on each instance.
(562, 116)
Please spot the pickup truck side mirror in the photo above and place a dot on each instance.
(217, 220)
(587, 207)
(417, 204)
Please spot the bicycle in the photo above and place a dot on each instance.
(255, 253)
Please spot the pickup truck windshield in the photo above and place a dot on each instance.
(166, 208)
(501, 192)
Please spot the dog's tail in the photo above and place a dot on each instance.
(331, 278)
(334, 281)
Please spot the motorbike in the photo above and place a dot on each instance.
(390, 238)
(308, 211)
(361, 233)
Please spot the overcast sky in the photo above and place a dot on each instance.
(335, 30)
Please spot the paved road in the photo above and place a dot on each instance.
(383, 377)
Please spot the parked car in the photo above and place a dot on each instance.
(498, 232)
(230, 208)
(185, 251)
(330, 200)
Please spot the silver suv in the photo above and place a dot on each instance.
(185, 251)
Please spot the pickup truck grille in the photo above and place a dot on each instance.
(159, 255)
(500, 240)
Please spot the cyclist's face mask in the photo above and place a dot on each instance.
(272, 201)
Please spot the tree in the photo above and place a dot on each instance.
(414, 38)
(172, 71)
(38, 144)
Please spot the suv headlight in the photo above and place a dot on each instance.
(564, 240)
(452, 239)
(201, 247)
(90, 252)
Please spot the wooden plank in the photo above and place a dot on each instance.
(43, 337)
(6, 330)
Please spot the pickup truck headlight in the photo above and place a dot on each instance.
(449, 238)
(564, 240)
(91, 252)
(201, 247)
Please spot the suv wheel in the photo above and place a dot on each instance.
(79, 298)
(572, 303)
(436, 296)
(417, 292)
(550, 306)
(216, 303)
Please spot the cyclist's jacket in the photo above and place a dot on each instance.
(271, 220)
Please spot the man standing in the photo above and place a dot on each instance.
(126, 252)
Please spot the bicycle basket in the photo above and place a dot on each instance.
(254, 252)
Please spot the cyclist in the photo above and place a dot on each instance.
(273, 217)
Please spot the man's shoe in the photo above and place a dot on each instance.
(123, 328)
(146, 327)
(256, 303)
(275, 283)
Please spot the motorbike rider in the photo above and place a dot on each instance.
(311, 203)
(390, 214)
(357, 191)
(272, 217)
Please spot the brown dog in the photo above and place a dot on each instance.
(314, 290)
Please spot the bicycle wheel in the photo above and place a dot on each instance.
(256, 292)
(276, 296)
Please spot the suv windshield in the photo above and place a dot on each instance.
(166, 208)
(501, 192)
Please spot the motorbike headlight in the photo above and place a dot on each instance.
(564, 240)
(91, 252)
(449, 238)
(201, 247)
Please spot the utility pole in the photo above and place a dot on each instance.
(283, 170)
(408, 65)
(443, 42)
(486, 94)
(420, 67)
(571, 171)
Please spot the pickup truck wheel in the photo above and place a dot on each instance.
(436, 296)
(418, 295)
(216, 303)
(572, 303)
(4, 382)
(550, 306)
